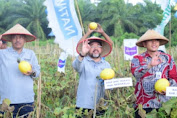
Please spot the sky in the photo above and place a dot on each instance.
(161, 2)
(136, 1)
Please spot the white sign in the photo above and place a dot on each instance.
(130, 48)
(117, 82)
(171, 91)
(62, 62)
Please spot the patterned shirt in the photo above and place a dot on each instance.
(88, 71)
(13, 84)
(146, 78)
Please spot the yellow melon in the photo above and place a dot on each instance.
(107, 73)
(24, 66)
(161, 84)
(93, 25)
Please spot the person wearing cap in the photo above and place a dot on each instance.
(14, 85)
(3, 44)
(89, 65)
(150, 66)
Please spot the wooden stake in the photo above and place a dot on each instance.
(95, 100)
(39, 95)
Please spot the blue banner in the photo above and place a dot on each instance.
(64, 23)
(64, 18)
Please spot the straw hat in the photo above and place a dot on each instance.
(149, 35)
(18, 29)
(106, 46)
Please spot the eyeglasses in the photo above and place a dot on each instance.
(96, 46)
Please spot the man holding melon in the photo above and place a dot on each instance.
(18, 67)
(154, 71)
(89, 65)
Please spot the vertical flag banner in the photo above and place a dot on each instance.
(64, 23)
(175, 15)
(130, 48)
(65, 26)
(166, 7)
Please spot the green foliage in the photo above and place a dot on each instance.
(119, 41)
(5, 13)
(59, 90)
(29, 13)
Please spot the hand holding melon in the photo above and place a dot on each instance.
(24, 67)
(107, 73)
(161, 85)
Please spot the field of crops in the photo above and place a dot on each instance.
(56, 92)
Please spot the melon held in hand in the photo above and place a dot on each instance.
(107, 73)
(93, 25)
(24, 66)
(161, 85)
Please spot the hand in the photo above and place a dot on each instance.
(162, 93)
(156, 60)
(89, 30)
(29, 72)
(1, 44)
(99, 29)
(85, 47)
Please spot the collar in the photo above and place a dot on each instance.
(90, 59)
(12, 50)
(146, 54)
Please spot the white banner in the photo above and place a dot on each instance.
(118, 82)
(64, 24)
(171, 91)
(166, 7)
(130, 48)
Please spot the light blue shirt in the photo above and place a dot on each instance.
(13, 84)
(88, 71)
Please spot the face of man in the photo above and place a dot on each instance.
(95, 50)
(152, 45)
(18, 41)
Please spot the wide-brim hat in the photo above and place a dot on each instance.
(18, 30)
(149, 35)
(106, 46)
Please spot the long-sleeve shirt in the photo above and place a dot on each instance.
(146, 78)
(13, 84)
(88, 71)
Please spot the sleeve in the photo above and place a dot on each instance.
(77, 64)
(172, 73)
(138, 67)
(0, 57)
(35, 65)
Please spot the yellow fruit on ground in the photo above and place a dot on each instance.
(7, 101)
(24, 66)
(93, 25)
(161, 85)
(107, 73)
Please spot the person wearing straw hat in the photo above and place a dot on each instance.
(89, 64)
(150, 66)
(3, 44)
(14, 85)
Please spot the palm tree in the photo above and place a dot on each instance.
(31, 14)
(5, 12)
(117, 16)
(87, 11)
(148, 16)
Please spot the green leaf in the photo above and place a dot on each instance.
(57, 111)
(167, 106)
(152, 114)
